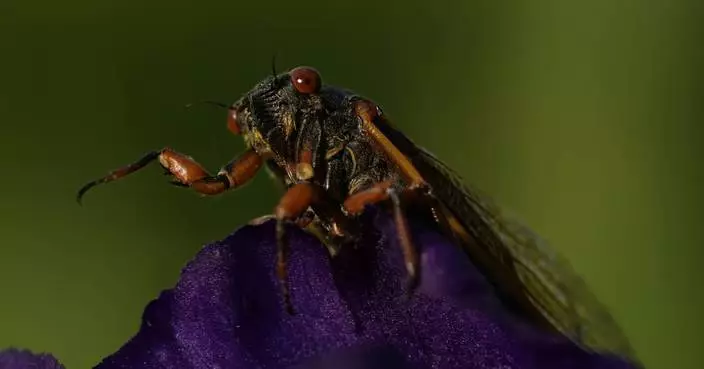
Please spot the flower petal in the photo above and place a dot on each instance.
(455, 319)
(229, 308)
(226, 310)
(352, 312)
(24, 359)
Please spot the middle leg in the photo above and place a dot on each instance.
(292, 208)
(380, 192)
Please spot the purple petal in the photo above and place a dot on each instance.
(24, 359)
(352, 312)
(456, 321)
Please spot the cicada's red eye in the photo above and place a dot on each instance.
(232, 123)
(306, 80)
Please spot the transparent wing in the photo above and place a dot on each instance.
(547, 279)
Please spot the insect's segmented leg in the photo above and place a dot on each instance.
(356, 203)
(380, 192)
(410, 252)
(368, 112)
(291, 206)
(307, 145)
(418, 188)
(383, 191)
(304, 168)
(294, 207)
(189, 173)
(237, 172)
(370, 115)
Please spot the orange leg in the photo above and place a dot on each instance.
(418, 188)
(380, 192)
(383, 191)
(188, 173)
(356, 203)
(293, 208)
(410, 252)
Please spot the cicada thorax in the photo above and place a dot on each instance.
(321, 143)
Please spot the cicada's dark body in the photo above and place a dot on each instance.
(336, 153)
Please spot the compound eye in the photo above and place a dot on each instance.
(306, 80)
(232, 124)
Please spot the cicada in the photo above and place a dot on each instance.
(336, 153)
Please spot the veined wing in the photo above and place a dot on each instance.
(546, 278)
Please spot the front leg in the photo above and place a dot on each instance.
(189, 173)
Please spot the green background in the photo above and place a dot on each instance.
(582, 117)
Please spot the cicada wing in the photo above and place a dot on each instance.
(517, 261)
(547, 278)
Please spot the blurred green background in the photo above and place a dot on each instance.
(582, 117)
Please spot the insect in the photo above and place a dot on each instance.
(336, 152)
